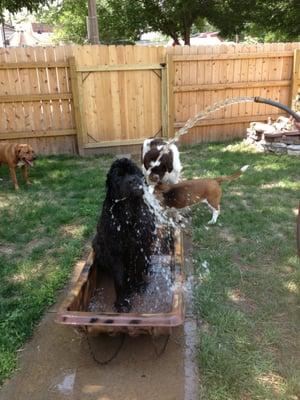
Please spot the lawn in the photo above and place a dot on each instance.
(248, 293)
(42, 233)
(247, 296)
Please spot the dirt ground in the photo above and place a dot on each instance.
(56, 364)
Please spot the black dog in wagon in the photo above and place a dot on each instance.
(125, 234)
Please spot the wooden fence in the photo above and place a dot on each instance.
(36, 99)
(84, 98)
(120, 91)
(203, 75)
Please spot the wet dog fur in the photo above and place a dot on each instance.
(125, 234)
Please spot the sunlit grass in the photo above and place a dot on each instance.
(248, 298)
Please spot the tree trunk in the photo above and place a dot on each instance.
(92, 23)
(175, 40)
(186, 36)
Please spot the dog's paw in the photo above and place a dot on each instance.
(141, 287)
(123, 306)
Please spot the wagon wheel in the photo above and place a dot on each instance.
(298, 231)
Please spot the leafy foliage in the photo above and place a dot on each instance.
(16, 5)
(69, 19)
(277, 20)
(121, 20)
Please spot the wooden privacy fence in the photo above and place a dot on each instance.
(203, 75)
(36, 99)
(119, 95)
(67, 99)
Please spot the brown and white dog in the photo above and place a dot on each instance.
(187, 193)
(17, 155)
(165, 169)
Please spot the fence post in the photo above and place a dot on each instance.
(170, 89)
(75, 84)
(296, 75)
(164, 102)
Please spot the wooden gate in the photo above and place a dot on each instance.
(120, 96)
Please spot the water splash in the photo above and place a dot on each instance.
(159, 292)
(160, 214)
(157, 296)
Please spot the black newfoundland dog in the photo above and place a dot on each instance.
(125, 232)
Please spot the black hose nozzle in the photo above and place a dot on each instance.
(259, 99)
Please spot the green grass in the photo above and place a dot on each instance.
(43, 230)
(248, 299)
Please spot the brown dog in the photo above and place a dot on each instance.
(187, 193)
(17, 155)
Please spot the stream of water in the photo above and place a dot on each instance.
(208, 110)
(201, 115)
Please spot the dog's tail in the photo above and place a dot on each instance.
(232, 177)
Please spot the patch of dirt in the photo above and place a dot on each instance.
(273, 381)
(270, 185)
(4, 203)
(244, 304)
(226, 235)
(35, 243)
(236, 193)
(72, 230)
(7, 250)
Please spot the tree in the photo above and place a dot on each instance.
(174, 18)
(118, 23)
(279, 18)
(126, 20)
(69, 20)
(14, 6)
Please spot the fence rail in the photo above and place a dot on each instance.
(67, 99)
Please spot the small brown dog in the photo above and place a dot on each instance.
(17, 155)
(187, 193)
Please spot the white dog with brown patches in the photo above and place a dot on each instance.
(158, 167)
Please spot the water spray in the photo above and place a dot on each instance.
(215, 107)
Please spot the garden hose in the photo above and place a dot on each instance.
(259, 99)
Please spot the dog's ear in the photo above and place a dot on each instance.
(18, 148)
(168, 161)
